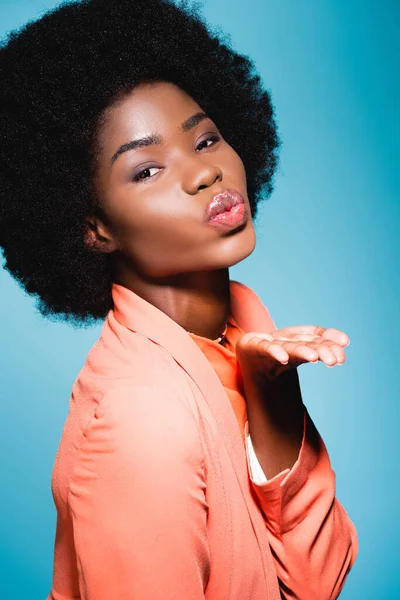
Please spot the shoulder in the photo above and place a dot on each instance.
(142, 442)
(126, 399)
(143, 421)
(118, 353)
(248, 308)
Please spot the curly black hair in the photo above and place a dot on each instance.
(58, 75)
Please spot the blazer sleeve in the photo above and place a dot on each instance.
(314, 544)
(137, 500)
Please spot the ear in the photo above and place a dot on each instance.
(97, 236)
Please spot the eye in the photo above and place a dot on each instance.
(212, 138)
(142, 175)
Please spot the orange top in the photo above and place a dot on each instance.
(222, 357)
(153, 490)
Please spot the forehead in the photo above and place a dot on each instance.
(148, 108)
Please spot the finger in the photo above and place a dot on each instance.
(290, 350)
(299, 350)
(291, 345)
(300, 354)
(274, 350)
(337, 350)
(337, 336)
(304, 353)
(326, 355)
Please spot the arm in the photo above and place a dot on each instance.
(314, 543)
(137, 499)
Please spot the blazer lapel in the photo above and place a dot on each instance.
(251, 315)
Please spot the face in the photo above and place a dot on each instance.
(154, 196)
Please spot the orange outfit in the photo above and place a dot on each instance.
(222, 357)
(152, 481)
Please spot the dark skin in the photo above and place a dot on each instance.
(162, 250)
(153, 198)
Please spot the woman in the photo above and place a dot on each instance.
(135, 149)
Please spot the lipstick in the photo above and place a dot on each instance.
(227, 210)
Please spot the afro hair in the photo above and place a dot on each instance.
(58, 76)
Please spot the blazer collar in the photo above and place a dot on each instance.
(250, 314)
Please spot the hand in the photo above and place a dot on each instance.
(273, 353)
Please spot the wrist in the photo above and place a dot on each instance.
(276, 401)
(275, 414)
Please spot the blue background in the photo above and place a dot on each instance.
(327, 253)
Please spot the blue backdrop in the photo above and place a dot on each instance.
(328, 253)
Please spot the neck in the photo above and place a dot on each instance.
(199, 302)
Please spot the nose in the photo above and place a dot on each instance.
(201, 175)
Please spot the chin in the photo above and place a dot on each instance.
(238, 245)
(249, 244)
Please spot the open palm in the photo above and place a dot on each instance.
(290, 347)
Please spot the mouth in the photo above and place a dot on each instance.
(222, 203)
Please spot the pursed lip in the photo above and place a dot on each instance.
(222, 202)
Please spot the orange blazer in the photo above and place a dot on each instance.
(152, 483)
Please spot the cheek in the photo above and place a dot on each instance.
(153, 218)
(234, 165)
(161, 250)
(154, 238)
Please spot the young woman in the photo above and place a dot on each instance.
(135, 149)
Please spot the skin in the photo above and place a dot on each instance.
(164, 251)
(275, 409)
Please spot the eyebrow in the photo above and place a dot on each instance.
(155, 139)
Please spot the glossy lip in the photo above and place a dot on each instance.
(223, 202)
(230, 220)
